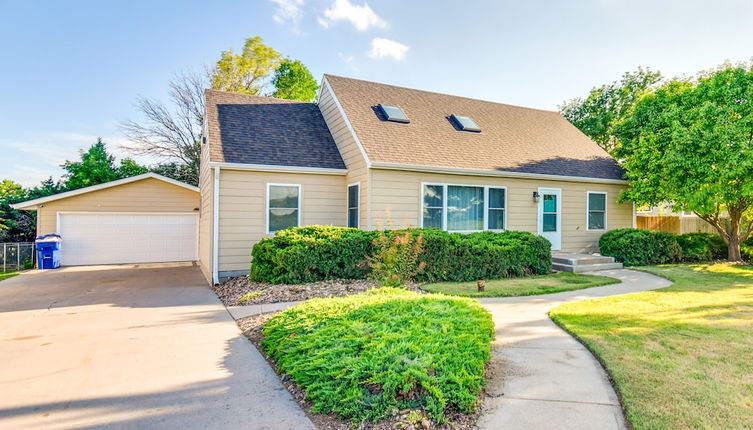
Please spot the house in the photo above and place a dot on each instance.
(374, 156)
(141, 219)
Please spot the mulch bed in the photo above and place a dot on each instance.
(253, 326)
(232, 289)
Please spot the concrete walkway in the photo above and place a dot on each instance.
(542, 378)
(132, 346)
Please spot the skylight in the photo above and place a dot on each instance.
(393, 113)
(465, 123)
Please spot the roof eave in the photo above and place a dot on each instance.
(33, 204)
(498, 173)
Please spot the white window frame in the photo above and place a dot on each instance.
(588, 210)
(444, 205)
(267, 208)
(358, 206)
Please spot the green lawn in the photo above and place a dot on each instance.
(6, 275)
(370, 355)
(682, 356)
(528, 286)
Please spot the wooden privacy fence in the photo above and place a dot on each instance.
(674, 224)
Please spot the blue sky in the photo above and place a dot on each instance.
(70, 71)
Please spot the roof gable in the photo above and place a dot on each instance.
(512, 138)
(258, 130)
(31, 204)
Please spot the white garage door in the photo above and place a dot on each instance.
(111, 238)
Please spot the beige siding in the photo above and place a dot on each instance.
(206, 214)
(242, 210)
(358, 171)
(396, 201)
(147, 195)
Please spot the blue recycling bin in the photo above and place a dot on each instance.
(48, 251)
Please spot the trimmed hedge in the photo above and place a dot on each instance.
(635, 247)
(313, 253)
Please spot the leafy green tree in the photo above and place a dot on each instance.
(178, 171)
(690, 142)
(245, 72)
(97, 166)
(129, 168)
(607, 105)
(9, 191)
(293, 81)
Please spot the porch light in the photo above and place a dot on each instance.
(536, 196)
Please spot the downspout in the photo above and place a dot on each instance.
(635, 219)
(216, 227)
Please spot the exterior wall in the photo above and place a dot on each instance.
(148, 195)
(206, 214)
(358, 170)
(243, 205)
(396, 202)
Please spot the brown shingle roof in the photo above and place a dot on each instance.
(264, 130)
(512, 138)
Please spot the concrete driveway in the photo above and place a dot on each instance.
(133, 346)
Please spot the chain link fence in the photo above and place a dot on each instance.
(17, 256)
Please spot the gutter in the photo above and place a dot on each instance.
(497, 173)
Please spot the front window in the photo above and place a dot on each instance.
(597, 211)
(284, 206)
(353, 198)
(463, 207)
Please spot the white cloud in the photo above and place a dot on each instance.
(381, 48)
(288, 12)
(362, 17)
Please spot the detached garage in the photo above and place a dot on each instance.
(143, 219)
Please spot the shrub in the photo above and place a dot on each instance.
(395, 262)
(702, 246)
(312, 253)
(635, 247)
(484, 255)
(367, 356)
(307, 254)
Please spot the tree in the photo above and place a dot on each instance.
(171, 131)
(97, 166)
(690, 142)
(245, 72)
(178, 171)
(605, 106)
(21, 225)
(293, 81)
(9, 191)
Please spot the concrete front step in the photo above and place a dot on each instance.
(573, 262)
(579, 268)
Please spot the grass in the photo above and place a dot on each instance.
(6, 275)
(682, 356)
(370, 355)
(528, 286)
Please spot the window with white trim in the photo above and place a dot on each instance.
(353, 199)
(463, 207)
(597, 210)
(283, 206)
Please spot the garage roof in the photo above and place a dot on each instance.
(32, 204)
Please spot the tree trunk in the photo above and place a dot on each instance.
(733, 248)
